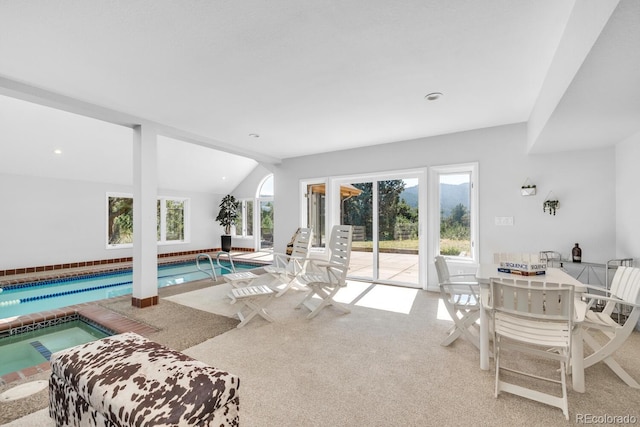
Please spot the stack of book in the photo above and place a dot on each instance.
(521, 264)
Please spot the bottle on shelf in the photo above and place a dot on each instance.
(576, 254)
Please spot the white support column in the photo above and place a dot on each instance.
(145, 190)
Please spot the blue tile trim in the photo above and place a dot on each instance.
(44, 351)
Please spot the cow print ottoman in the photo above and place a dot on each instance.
(127, 380)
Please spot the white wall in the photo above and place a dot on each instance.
(52, 221)
(628, 198)
(584, 182)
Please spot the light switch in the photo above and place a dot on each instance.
(504, 220)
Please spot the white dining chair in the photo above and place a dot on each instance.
(461, 298)
(602, 331)
(533, 319)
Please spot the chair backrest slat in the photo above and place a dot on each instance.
(340, 249)
(302, 243)
(441, 269)
(539, 300)
(300, 249)
(626, 284)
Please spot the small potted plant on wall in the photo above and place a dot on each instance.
(227, 217)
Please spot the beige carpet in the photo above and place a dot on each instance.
(380, 365)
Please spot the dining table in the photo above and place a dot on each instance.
(489, 271)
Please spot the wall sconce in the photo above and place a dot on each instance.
(528, 189)
(550, 203)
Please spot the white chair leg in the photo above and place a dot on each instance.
(287, 286)
(326, 300)
(497, 386)
(464, 324)
(256, 308)
(307, 297)
(601, 354)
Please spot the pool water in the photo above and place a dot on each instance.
(32, 348)
(46, 295)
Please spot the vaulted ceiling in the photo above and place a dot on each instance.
(263, 81)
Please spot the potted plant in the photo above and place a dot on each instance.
(227, 216)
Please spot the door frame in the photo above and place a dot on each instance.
(333, 214)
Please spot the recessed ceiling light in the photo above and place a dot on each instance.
(224, 178)
(57, 151)
(433, 96)
(254, 135)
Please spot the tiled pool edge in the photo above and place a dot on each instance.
(97, 267)
(91, 313)
(103, 264)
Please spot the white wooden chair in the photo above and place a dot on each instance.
(624, 292)
(255, 299)
(329, 276)
(461, 297)
(535, 319)
(286, 268)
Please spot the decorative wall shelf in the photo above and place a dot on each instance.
(528, 189)
(551, 203)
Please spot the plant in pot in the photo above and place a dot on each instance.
(228, 216)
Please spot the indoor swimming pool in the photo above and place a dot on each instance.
(27, 298)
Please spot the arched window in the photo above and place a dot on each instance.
(266, 187)
(265, 203)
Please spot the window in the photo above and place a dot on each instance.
(244, 224)
(265, 206)
(119, 220)
(457, 208)
(172, 220)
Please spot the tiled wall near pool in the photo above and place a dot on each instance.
(106, 263)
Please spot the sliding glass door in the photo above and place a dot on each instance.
(385, 217)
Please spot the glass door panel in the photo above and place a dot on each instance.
(386, 238)
(316, 205)
(455, 206)
(356, 208)
(398, 241)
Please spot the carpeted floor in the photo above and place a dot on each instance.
(380, 365)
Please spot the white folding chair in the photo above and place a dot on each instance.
(255, 298)
(624, 293)
(330, 276)
(287, 267)
(461, 297)
(533, 319)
